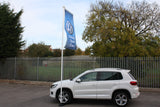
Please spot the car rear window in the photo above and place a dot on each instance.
(131, 76)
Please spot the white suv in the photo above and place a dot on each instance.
(101, 83)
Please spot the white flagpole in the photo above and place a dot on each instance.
(62, 54)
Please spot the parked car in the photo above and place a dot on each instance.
(102, 83)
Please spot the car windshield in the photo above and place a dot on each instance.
(74, 77)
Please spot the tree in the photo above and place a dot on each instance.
(69, 52)
(78, 51)
(57, 53)
(88, 51)
(39, 50)
(121, 31)
(10, 31)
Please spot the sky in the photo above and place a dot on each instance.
(43, 19)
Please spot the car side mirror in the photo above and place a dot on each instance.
(78, 80)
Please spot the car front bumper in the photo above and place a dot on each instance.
(52, 93)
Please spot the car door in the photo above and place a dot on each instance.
(106, 82)
(86, 87)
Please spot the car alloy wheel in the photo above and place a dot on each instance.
(121, 99)
(65, 98)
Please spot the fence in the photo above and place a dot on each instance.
(145, 69)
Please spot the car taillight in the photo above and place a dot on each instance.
(133, 82)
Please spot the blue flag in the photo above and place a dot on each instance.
(69, 28)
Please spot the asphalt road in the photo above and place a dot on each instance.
(19, 95)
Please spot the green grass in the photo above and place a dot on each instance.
(52, 71)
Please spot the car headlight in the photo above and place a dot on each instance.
(54, 85)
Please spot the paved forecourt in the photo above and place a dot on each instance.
(20, 95)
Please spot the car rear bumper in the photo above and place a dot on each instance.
(135, 95)
(135, 92)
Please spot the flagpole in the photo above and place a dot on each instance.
(62, 54)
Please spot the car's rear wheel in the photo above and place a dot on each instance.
(120, 99)
(65, 98)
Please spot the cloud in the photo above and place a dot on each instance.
(42, 19)
(44, 22)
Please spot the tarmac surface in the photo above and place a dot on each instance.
(20, 95)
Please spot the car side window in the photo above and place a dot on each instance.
(103, 76)
(89, 77)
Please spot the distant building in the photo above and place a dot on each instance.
(49, 47)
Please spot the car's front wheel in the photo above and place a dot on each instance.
(120, 99)
(65, 98)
